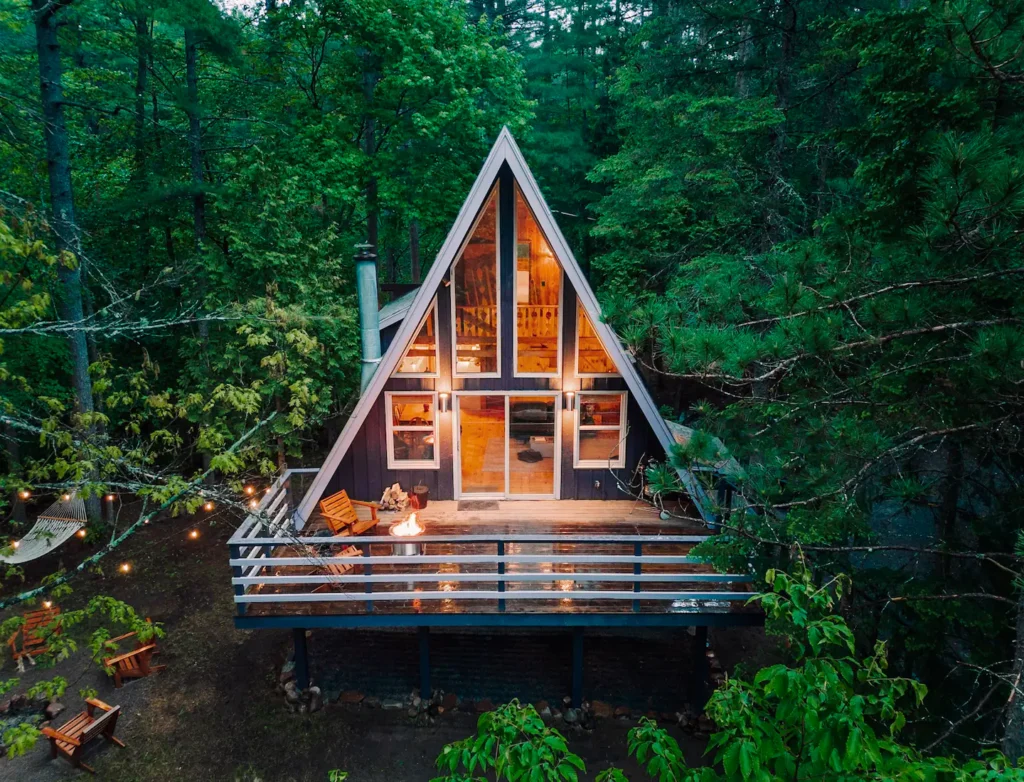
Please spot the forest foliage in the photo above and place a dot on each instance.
(803, 217)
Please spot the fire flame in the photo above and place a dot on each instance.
(408, 527)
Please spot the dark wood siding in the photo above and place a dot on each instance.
(363, 470)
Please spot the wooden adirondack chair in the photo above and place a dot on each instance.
(340, 569)
(340, 514)
(135, 664)
(27, 640)
(71, 738)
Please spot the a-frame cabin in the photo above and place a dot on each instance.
(503, 391)
(499, 380)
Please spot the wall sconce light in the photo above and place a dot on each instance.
(570, 400)
(444, 400)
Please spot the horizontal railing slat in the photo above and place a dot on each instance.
(481, 559)
(385, 578)
(385, 597)
(654, 540)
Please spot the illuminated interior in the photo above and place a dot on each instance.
(421, 357)
(538, 295)
(591, 357)
(475, 282)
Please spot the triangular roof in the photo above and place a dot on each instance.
(504, 151)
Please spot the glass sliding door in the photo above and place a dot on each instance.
(531, 446)
(482, 444)
(508, 445)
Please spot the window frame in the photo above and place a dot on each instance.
(515, 299)
(581, 310)
(431, 312)
(391, 428)
(494, 192)
(622, 428)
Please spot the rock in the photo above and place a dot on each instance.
(567, 701)
(372, 702)
(391, 705)
(623, 712)
(413, 711)
(571, 716)
(18, 702)
(484, 705)
(556, 714)
(601, 709)
(704, 725)
(543, 709)
(316, 699)
(53, 708)
(352, 696)
(449, 702)
(5, 707)
(287, 676)
(417, 702)
(292, 694)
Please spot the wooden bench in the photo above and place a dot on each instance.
(135, 664)
(340, 514)
(29, 640)
(339, 569)
(71, 738)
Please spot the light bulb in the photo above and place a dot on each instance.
(110, 498)
(207, 505)
(250, 489)
(47, 604)
(126, 567)
(193, 534)
(24, 494)
(81, 533)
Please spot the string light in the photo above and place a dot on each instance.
(126, 567)
(81, 533)
(24, 494)
(207, 505)
(47, 604)
(194, 534)
(253, 503)
(65, 497)
(110, 498)
(15, 543)
(250, 489)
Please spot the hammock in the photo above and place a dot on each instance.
(54, 526)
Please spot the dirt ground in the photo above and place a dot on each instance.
(215, 712)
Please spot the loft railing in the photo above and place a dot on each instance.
(477, 572)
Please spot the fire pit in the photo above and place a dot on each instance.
(406, 531)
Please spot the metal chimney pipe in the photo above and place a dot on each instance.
(369, 319)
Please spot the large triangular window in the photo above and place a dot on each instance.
(475, 297)
(592, 360)
(421, 358)
(538, 298)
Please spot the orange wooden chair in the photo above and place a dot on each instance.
(29, 640)
(71, 738)
(136, 664)
(340, 569)
(340, 514)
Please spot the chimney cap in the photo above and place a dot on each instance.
(365, 252)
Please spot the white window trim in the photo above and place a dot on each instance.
(414, 464)
(622, 429)
(431, 313)
(515, 302)
(495, 189)
(580, 310)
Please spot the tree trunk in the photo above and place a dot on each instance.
(14, 468)
(1013, 736)
(62, 205)
(195, 148)
(414, 250)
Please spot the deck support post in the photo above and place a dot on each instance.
(577, 667)
(424, 638)
(301, 658)
(700, 667)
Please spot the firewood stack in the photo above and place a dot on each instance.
(394, 499)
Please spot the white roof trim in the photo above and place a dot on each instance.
(505, 150)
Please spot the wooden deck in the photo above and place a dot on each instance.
(509, 558)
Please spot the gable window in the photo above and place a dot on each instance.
(592, 360)
(538, 297)
(475, 297)
(601, 429)
(421, 359)
(412, 430)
